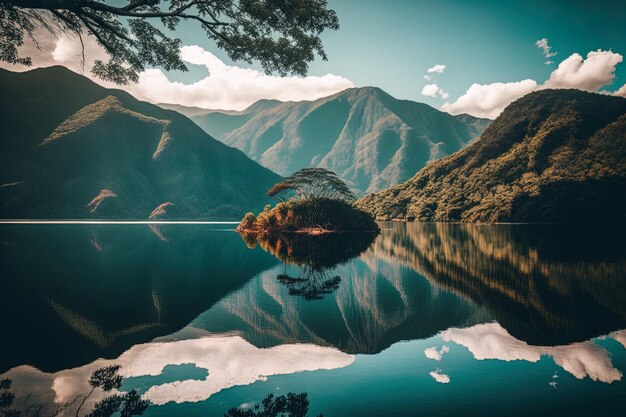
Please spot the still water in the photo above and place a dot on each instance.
(423, 319)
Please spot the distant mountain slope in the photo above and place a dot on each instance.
(73, 149)
(188, 111)
(366, 136)
(553, 155)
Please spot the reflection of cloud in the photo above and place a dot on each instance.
(492, 341)
(434, 354)
(229, 360)
(440, 377)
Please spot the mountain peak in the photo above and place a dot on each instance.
(92, 112)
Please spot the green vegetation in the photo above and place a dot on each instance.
(551, 156)
(70, 148)
(314, 201)
(284, 36)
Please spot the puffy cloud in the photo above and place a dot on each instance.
(225, 87)
(590, 74)
(488, 100)
(231, 87)
(432, 90)
(440, 377)
(492, 341)
(437, 69)
(547, 50)
(621, 91)
(434, 354)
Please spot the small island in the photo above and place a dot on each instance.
(312, 201)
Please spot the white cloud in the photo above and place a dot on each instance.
(225, 87)
(437, 69)
(621, 91)
(547, 50)
(590, 74)
(440, 377)
(434, 354)
(492, 341)
(432, 90)
(488, 100)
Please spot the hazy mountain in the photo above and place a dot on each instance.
(73, 149)
(366, 136)
(188, 111)
(553, 155)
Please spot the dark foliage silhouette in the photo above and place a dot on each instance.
(284, 36)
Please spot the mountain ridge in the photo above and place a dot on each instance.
(551, 156)
(369, 138)
(69, 142)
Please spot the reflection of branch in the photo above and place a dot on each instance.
(314, 284)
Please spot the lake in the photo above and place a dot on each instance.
(425, 318)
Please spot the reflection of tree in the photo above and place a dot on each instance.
(312, 284)
(107, 379)
(315, 255)
(290, 405)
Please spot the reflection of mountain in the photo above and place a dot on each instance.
(102, 288)
(375, 305)
(227, 361)
(545, 284)
(582, 359)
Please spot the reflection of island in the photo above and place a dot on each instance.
(102, 288)
(315, 255)
(225, 361)
(546, 284)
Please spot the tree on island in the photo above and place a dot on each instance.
(310, 184)
(284, 36)
(312, 200)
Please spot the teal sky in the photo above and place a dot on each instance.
(390, 44)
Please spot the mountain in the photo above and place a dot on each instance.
(370, 139)
(551, 156)
(188, 111)
(73, 149)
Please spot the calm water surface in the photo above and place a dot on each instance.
(449, 319)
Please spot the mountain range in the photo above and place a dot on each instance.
(551, 156)
(74, 149)
(369, 138)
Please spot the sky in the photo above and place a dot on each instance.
(458, 56)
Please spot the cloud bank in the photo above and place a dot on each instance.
(225, 87)
(589, 74)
